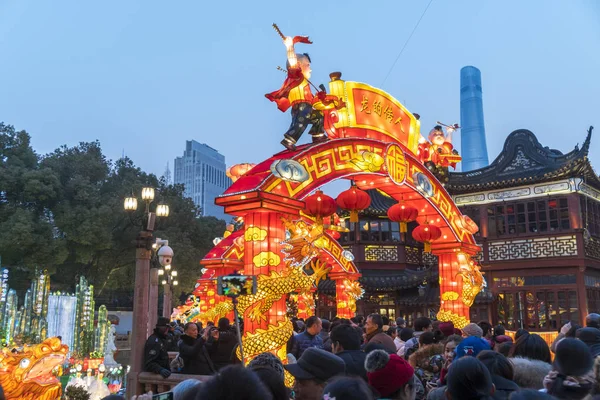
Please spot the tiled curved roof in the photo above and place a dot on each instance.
(523, 161)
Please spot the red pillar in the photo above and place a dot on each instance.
(454, 295)
(264, 232)
(342, 299)
(262, 255)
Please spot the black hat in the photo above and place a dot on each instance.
(162, 321)
(316, 364)
(573, 357)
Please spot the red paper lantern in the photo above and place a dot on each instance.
(319, 205)
(354, 200)
(403, 214)
(426, 233)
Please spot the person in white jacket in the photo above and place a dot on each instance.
(404, 334)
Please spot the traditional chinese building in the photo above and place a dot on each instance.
(539, 216)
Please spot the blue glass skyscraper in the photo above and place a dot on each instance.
(472, 133)
(202, 172)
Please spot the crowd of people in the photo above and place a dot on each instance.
(375, 358)
(201, 350)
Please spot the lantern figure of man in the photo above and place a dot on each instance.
(296, 93)
(438, 154)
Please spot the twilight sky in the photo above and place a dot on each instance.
(143, 76)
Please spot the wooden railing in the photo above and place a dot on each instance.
(157, 384)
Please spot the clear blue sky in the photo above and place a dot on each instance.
(145, 76)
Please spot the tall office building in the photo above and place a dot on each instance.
(202, 171)
(473, 148)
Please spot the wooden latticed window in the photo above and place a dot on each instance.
(530, 217)
(591, 214)
(538, 308)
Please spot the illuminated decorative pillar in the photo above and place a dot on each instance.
(10, 313)
(454, 304)
(208, 294)
(3, 291)
(306, 304)
(201, 292)
(264, 232)
(101, 330)
(262, 255)
(342, 297)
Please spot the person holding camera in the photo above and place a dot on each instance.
(228, 341)
(195, 351)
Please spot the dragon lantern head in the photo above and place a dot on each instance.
(28, 374)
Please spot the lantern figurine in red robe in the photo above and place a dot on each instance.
(402, 213)
(353, 200)
(426, 233)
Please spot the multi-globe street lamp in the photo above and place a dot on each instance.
(144, 310)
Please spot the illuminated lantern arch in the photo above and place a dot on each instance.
(373, 142)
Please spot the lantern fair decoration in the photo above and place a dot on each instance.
(461, 280)
(289, 171)
(37, 363)
(306, 304)
(102, 330)
(319, 206)
(235, 172)
(426, 233)
(472, 277)
(353, 200)
(403, 214)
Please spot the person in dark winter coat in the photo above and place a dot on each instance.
(196, 351)
(309, 338)
(156, 356)
(375, 333)
(345, 342)
(502, 373)
(223, 354)
(325, 334)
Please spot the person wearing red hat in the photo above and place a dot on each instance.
(447, 328)
(390, 375)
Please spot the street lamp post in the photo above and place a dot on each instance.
(141, 303)
(169, 279)
(167, 273)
